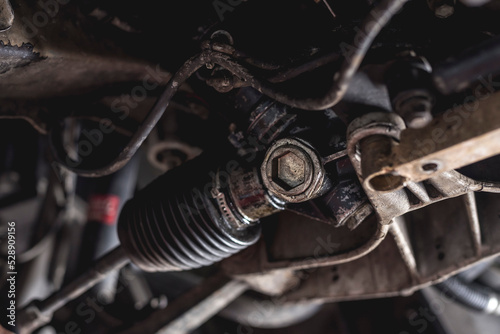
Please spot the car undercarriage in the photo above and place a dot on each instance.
(249, 166)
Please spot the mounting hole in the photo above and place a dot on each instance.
(386, 182)
(430, 167)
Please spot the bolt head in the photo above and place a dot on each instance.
(444, 11)
(289, 170)
(292, 171)
(418, 120)
(416, 110)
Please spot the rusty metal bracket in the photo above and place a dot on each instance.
(402, 170)
(459, 137)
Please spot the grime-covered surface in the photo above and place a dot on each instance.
(59, 52)
(6, 15)
(60, 65)
(13, 56)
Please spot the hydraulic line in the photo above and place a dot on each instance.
(373, 24)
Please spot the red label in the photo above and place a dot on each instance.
(104, 208)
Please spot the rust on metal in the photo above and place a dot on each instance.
(293, 171)
(193, 308)
(461, 136)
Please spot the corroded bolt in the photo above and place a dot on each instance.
(289, 170)
(442, 8)
(292, 171)
(416, 110)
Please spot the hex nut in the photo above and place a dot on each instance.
(289, 170)
(442, 8)
(292, 170)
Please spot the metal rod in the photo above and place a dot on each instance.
(188, 311)
(473, 221)
(205, 309)
(39, 313)
(476, 64)
(87, 167)
(329, 8)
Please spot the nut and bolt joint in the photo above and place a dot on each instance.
(407, 82)
(292, 171)
(415, 107)
(442, 8)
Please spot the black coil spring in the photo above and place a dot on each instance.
(162, 230)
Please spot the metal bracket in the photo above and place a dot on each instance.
(403, 170)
